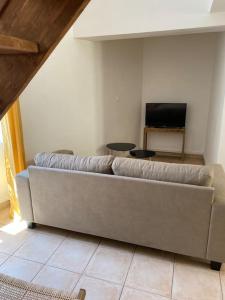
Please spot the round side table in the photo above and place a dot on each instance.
(122, 148)
(142, 154)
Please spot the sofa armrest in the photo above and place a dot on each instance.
(24, 195)
(216, 243)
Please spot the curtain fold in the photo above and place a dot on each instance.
(13, 152)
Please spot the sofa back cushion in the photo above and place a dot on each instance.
(169, 172)
(95, 164)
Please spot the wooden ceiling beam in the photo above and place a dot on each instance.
(13, 45)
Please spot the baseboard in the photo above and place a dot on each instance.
(200, 156)
(170, 153)
(4, 204)
(187, 156)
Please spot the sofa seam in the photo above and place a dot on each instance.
(209, 229)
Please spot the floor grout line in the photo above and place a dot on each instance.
(174, 261)
(149, 292)
(23, 243)
(31, 234)
(5, 260)
(99, 243)
(49, 258)
(104, 280)
(10, 255)
(28, 259)
(221, 288)
(62, 269)
(83, 273)
(128, 270)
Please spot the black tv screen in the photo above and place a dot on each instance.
(165, 115)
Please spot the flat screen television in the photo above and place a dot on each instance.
(168, 115)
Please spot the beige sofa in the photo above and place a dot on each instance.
(183, 218)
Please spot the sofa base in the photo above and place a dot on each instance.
(215, 265)
(31, 225)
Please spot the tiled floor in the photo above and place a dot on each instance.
(108, 270)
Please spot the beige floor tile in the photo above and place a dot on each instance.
(20, 268)
(97, 289)
(3, 258)
(74, 253)
(10, 242)
(51, 230)
(39, 247)
(222, 276)
(57, 279)
(222, 269)
(131, 294)
(111, 261)
(195, 281)
(151, 271)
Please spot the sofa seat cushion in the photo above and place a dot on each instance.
(95, 164)
(169, 172)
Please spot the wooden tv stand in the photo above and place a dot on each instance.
(172, 130)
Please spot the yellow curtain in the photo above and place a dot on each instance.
(13, 152)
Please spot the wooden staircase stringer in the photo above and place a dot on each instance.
(11, 44)
(40, 22)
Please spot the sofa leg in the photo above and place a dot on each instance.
(215, 265)
(31, 225)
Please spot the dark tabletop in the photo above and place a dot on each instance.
(121, 146)
(142, 153)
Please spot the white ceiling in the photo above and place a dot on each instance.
(114, 19)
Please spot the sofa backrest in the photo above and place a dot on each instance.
(161, 171)
(137, 168)
(169, 216)
(95, 164)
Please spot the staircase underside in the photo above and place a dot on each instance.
(29, 32)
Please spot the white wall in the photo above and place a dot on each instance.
(114, 19)
(215, 144)
(118, 101)
(57, 106)
(179, 69)
(91, 93)
(217, 5)
(86, 95)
